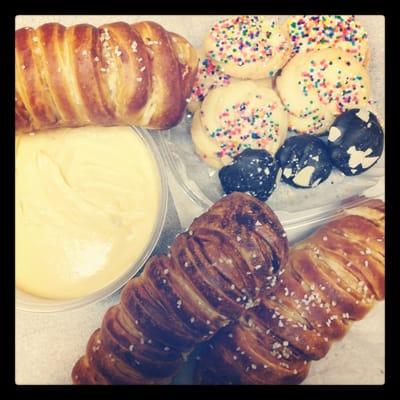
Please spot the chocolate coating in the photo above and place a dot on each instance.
(304, 160)
(252, 171)
(355, 141)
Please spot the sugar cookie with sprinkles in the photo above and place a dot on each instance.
(317, 86)
(248, 47)
(208, 76)
(246, 114)
(316, 32)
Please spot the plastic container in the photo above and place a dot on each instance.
(294, 206)
(201, 183)
(27, 302)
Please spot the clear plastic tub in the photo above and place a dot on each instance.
(201, 183)
(294, 206)
(27, 302)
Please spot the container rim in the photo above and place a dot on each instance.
(290, 219)
(54, 306)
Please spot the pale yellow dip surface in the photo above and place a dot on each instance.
(87, 202)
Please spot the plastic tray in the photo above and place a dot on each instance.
(293, 206)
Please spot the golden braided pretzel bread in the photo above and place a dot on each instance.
(332, 279)
(214, 273)
(117, 74)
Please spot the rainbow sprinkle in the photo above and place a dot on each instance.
(344, 89)
(244, 40)
(209, 76)
(242, 126)
(322, 31)
(343, 92)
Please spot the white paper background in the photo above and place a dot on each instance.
(47, 345)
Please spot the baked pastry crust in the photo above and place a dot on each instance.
(332, 279)
(116, 74)
(214, 272)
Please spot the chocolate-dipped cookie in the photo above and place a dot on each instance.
(252, 171)
(355, 141)
(304, 160)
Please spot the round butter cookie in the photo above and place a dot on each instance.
(209, 76)
(316, 32)
(316, 86)
(244, 115)
(248, 47)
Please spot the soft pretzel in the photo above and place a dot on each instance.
(116, 74)
(214, 272)
(332, 279)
